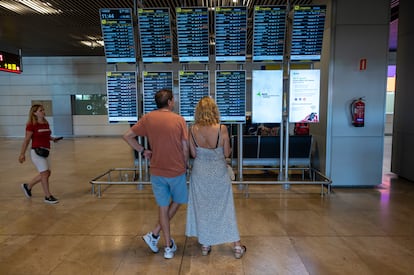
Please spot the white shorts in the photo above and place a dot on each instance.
(41, 163)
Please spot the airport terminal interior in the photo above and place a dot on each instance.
(286, 231)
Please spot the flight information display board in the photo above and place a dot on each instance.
(152, 82)
(118, 35)
(307, 32)
(10, 62)
(194, 85)
(231, 31)
(269, 27)
(122, 97)
(231, 95)
(192, 34)
(155, 35)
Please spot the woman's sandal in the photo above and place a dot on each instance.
(205, 250)
(239, 251)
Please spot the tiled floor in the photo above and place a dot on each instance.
(295, 231)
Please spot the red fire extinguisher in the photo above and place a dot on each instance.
(358, 112)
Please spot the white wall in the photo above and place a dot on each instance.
(47, 78)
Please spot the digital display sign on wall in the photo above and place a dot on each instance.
(152, 82)
(122, 97)
(10, 62)
(194, 85)
(231, 33)
(192, 34)
(307, 32)
(155, 35)
(231, 95)
(118, 35)
(269, 27)
(304, 96)
(267, 96)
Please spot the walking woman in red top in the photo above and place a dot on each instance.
(39, 133)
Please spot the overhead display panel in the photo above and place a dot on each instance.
(10, 62)
(122, 97)
(231, 95)
(152, 83)
(269, 27)
(231, 31)
(194, 85)
(307, 32)
(118, 35)
(267, 96)
(304, 96)
(155, 35)
(192, 34)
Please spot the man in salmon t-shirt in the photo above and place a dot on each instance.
(167, 135)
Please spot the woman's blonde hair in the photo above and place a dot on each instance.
(206, 112)
(32, 117)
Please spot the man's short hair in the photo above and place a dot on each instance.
(162, 97)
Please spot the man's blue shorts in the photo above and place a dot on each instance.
(166, 189)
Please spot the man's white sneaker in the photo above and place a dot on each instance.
(151, 242)
(169, 251)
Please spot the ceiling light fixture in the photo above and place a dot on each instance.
(39, 6)
(92, 43)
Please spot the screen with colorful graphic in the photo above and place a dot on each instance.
(304, 96)
(267, 96)
(10, 62)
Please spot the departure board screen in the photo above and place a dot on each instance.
(155, 35)
(152, 83)
(194, 85)
(269, 27)
(307, 32)
(118, 35)
(231, 95)
(192, 34)
(10, 62)
(231, 30)
(122, 96)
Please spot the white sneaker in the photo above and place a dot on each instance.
(151, 242)
(169, 251)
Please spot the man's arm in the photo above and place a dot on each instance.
(130, 138)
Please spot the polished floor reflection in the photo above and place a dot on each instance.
(295, 231)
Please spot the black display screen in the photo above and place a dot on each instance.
(118, 35)
(194, 85)
(122, 97)
(231, 30)
(192, 34)
(152, 83)
(307, 32)
(231, 95)
(269, 27)
(10, 62)
(155, 35)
